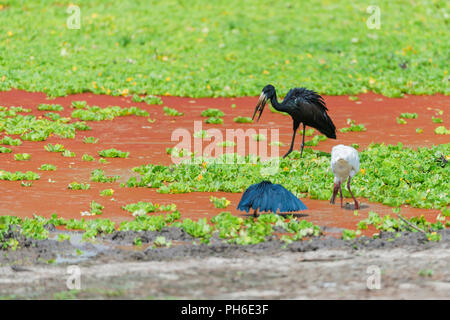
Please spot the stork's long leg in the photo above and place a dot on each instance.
(296, 124)
(354, 199)
(303, 141)
(340, 194)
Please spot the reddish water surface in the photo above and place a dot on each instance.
(147, 143)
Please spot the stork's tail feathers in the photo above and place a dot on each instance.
(268, 197)
(326, 126)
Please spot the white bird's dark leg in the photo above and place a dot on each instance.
(303, 141)
(335, 191)
(354, 199)
(296, 124)
(340, 194)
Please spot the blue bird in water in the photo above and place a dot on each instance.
(268, 197)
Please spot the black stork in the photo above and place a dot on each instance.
(268, 197)
(304, 106)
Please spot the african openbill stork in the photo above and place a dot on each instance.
(304, 106)
(266, 196)
(345, 164)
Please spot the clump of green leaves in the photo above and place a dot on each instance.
(113, 153)
(243, 119)
(353, 127)
(79, 104)
(47, 167)
(408, 115)
(50, 107)
(90, 140)
(214, 120)
(441, 130)
(78, 186)
(10, 141)
(54, 148)
(5, 150)
(172, 112)
(98, 175)
(212, 113)
(220, 202)
(22, 156)
(107, 193)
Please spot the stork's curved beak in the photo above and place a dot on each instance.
(260, 106)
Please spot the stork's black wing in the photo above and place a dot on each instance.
(309, 108)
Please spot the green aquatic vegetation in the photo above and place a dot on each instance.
(5, 150)
(277, 143)
(243, 119)
(26, 184)
(137, 241)
(8, 141)
(98, 175)
(219, 50)
(81, 126)
(353, 127)
(214, 120)
(161, 241)
(408, 115)
(95, 113)
(148, 99)
(96, 208)
(78, 186)
(172, 112)
(216, 113)
(47, 167)
(22, 156)
(355, 145)
(113, 153)
(50, 107)
(149, 223)
(53, 116)
(68, 154)
(18, 176)
(353, 98)
(148, 207)
(401, 121)
(198, 229)
(101, 160)
(87, 157)
(308, 132)
(441, 130)
(419, 130)
(90, 140)
(219, 202)
(436, 120)
(390, 174)
(348, 234)
(54, 148)
(107, 193)
(78, 104)
(315, 140)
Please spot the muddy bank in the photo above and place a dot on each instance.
(120, 246)
(407, 268)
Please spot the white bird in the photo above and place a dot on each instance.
(345, 164)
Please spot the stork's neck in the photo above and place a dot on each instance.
(278, 106)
